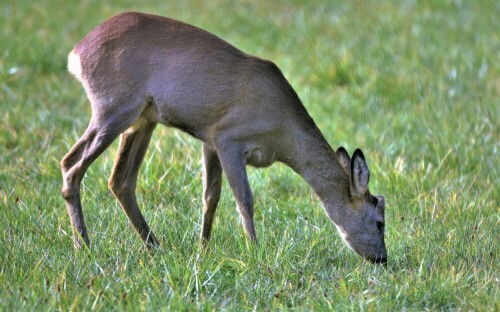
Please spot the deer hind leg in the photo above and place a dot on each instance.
(212, 181)
(109, 119)
(74, 165)
(234, 166)
(133, 145)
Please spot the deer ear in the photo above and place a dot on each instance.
(344, 159)
(360, 174)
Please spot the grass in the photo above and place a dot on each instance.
(415, 84)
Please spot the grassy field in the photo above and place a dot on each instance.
(415, 84)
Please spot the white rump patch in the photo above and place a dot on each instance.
(74, 65)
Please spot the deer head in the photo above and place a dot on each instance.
(360, 217)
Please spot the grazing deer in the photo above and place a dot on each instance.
(139, 70)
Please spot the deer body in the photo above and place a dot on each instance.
(139, 70)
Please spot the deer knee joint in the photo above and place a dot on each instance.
(67, 193)
(212, 196)
(245, 208)
(119, 188)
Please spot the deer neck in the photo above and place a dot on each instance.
(316, 162)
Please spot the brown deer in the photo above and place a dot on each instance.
(139, 70)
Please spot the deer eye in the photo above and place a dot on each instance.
(380, 225)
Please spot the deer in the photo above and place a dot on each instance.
(139, 70)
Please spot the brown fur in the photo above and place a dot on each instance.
(140, 70)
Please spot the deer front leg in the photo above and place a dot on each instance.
(212, 181)
(234, 166)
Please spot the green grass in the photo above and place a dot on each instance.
(415, 84)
